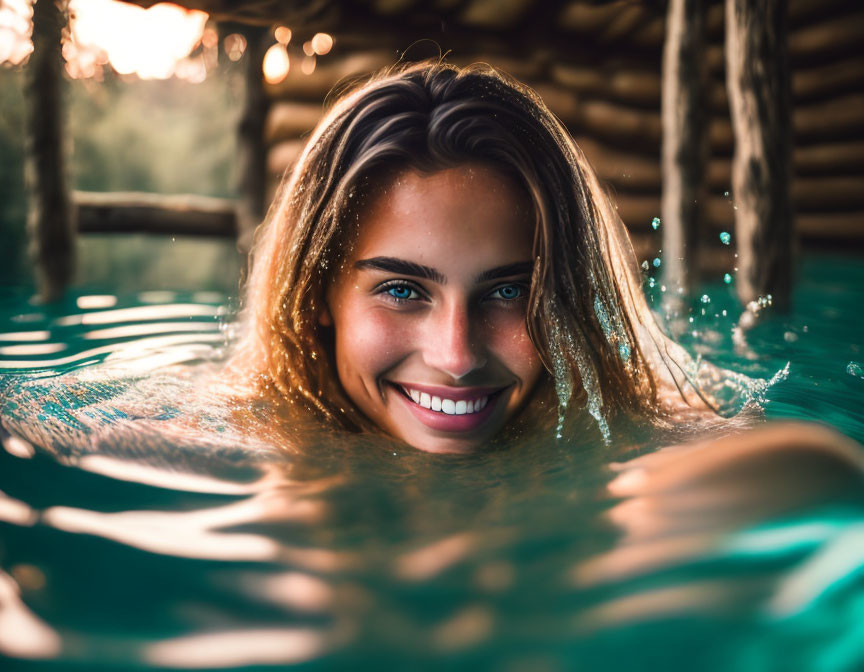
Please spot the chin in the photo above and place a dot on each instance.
(445, 446)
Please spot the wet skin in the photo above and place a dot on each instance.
(432, 301)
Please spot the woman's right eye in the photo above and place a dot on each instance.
(401, 292)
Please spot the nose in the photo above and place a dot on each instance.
(453, 344)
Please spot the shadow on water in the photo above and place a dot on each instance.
(141, 526)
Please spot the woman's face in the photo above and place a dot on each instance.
(429, 308)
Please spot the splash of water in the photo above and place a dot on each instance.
(563, 338)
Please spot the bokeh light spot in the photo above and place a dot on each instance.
(276, 64)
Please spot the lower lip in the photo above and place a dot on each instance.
(451, 423)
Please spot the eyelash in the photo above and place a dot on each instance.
(385, 288)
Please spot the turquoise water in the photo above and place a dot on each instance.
(129, 540)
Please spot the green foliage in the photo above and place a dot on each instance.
(165, 136)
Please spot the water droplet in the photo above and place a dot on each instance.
(855, 369)
(651, 282)
(624, 351)
(645, 265)
(790, 336)
(727, 279)
(656, 262)
(655, 223)
(725, 237)
(705, 299)
(726, 193)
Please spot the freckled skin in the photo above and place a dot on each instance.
(461, 333)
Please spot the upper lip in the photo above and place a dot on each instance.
(454, 393)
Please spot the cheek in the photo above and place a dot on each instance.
(509, 340)
(369, 342)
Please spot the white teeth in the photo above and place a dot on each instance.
(448, 406)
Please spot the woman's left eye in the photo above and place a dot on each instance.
(508, 292)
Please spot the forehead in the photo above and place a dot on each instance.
(455, 219)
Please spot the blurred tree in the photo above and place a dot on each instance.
(13, 202)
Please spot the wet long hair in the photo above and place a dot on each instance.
(587, 315)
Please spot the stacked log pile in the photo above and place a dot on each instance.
(598, 66)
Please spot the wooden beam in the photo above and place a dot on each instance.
(757, 77)
(172, 215)
(685, 142)
(50, 223)
(251, 149)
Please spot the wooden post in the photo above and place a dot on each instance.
(50, 221)
(251, 150)
(685, 141)
(757, 79)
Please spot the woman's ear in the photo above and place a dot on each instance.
(325, 319)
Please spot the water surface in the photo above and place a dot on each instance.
(124, 546)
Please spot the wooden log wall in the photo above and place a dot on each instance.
(599, 70)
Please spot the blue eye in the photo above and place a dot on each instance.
(402, 292)
(509, 292)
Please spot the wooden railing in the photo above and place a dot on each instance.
(136, 212)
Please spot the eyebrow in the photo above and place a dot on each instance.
(403, 267)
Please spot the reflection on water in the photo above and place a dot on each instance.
(145, 522)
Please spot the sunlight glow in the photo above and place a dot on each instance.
(18, 447)
(152, 43)
(276, 64)
(307, 65)
(13, 336)
(282, 34)
(147, 329)
(31, 349)
(234, 45)
(237, 648)
(158, 312)
(96, 301)
(22, 633)
(15, 44)
(322, 43)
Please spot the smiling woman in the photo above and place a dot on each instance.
(429, 309)
(442, 258)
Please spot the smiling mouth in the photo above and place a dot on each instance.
(444, 405)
